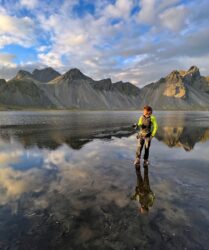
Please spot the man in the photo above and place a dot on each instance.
(148, 127)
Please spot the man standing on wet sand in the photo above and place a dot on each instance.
(148, 127)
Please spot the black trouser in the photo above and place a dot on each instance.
(141, 141)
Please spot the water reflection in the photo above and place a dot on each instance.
(185, 137)
(53, 137)
(70, 197)
(70, 188)
(45, 137)
(143, 193)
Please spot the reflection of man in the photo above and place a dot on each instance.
(143, 193)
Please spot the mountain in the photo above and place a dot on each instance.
(40, 75)
(45, 75)
(75, 75)
(46, 88)
(184, 90)
(23, 74)
(23, 93)
(78, 91)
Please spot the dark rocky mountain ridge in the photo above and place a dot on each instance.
(184, 90)
(46, 88)
(45, 75)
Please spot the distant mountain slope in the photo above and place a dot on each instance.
(183, 90)
(23, 93)
(72, 90)
(46, 88)
(76, 90)
(40, 75)
(45, 75)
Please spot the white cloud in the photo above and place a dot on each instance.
(30, 4)
(52, 58)
(74, 39)
(123, 51)
(147, 13)
(174, 18)
(12, 24)
(120, 9)
(6, 59)
(164, 4)
(16, 30)
(9, 69)
(163, 13)
(43, 48)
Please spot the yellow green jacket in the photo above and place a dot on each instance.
(154, 125)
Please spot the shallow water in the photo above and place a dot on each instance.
(67, 181)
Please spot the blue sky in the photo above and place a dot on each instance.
(131, 40)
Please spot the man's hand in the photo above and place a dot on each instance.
(134, 126)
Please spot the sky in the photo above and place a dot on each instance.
(138, 41)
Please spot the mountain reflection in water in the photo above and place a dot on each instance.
(52, 137)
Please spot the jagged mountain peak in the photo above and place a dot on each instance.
(174, 76)
(181, 89)
(193, 73)
(192, 76)
(75, 74)
(171, 86)
(127, 88)
(104, 84)
(193, 69)
(46, 74)
(47, 69)
(106, 81)
(22, 74)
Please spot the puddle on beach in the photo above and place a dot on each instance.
(67, 181)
